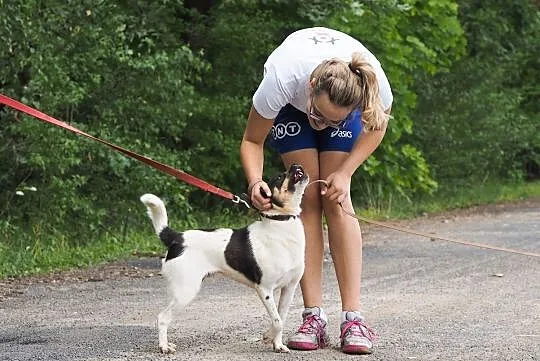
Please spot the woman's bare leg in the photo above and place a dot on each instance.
(311, 283)
(345, 238)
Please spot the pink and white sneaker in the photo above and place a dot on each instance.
(312, 333)
(356, 336)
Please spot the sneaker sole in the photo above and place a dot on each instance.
(303, 346)
(356, 350)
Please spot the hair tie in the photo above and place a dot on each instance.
(356, 71)
(360, 75)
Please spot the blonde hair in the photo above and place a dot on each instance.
(352, 84)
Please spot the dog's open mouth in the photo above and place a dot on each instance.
(298, 175)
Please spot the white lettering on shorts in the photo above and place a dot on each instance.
(280, 131)
(341, 133)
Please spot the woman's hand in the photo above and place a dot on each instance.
(259, 193)
(338, 187)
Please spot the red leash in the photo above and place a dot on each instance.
(183, 176)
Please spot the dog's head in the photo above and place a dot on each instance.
(287, 190)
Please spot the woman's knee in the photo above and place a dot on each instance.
(311, 203)
(332, 209)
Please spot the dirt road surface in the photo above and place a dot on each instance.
(427, 300)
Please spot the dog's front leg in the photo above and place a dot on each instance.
(276, 330)
(285, 299)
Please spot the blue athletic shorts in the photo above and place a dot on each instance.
(291, 131)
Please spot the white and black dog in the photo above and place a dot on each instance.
(267, 255)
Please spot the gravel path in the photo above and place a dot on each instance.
(427, 300)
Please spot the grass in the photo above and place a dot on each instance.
(19, 258)
(445, 199)
(39, 258)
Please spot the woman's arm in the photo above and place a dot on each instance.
(252, 157)
(365, 145)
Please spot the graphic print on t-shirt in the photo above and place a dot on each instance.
(323, 37)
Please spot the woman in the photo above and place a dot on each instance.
(326, 101)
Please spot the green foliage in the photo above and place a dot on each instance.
(480, 120)
(120, 73)
(384, 205)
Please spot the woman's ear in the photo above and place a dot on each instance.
(312, 83)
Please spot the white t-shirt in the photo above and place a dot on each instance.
(288, 68)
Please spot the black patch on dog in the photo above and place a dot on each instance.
(291, 186)
(239, 255)
(174, 242)
(277, 181)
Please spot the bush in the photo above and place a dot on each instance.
(480, 120)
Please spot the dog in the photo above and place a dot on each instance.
(267, 255)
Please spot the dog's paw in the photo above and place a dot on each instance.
(281, 348)
(168, 348)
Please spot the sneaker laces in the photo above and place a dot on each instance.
(313, 324)
(358, 328)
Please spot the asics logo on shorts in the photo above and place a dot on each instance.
(280, 131)
(341, 134)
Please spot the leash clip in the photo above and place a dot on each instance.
(236, 199)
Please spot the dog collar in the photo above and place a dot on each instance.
(278, 217)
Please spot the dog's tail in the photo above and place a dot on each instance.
(156, 212)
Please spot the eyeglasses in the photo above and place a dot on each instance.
(313, 113)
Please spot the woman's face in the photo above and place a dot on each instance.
(322, 113)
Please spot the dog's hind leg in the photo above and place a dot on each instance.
(164, 319)
(276, 330)
(183, 291)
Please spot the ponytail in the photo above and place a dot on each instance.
(353, 85)
(373, 112)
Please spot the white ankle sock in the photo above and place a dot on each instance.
(319, 311)
(351, 316)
